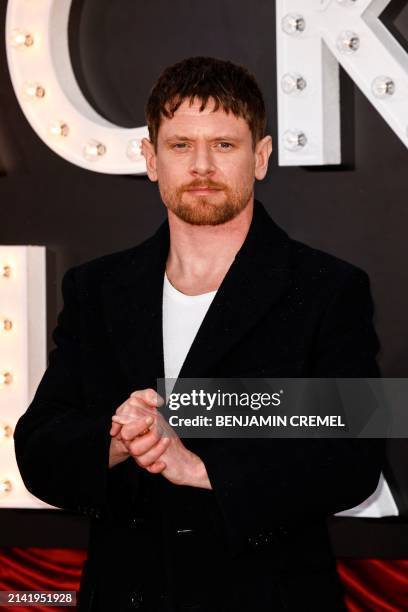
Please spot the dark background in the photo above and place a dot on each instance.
(357, 211)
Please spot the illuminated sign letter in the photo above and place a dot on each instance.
(313, 38)
(47, 90)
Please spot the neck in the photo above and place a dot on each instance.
(200, 255)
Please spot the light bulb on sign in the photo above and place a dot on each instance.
(5, 431)
(5, 486)
(33, 91)
(294, 140)
(293, 24)
(5, 378)
(382, 87)
(6, 325)
(20, 39)
(94, 150)
(133, 150)
(293, 83)
(59, 129)
(5, 271)
(348, 42)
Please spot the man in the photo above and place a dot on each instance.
(219, 291)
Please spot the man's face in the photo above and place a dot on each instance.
(205, 164)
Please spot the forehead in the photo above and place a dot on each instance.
(191, 120)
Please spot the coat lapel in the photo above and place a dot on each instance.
(132, 302)
(257, 278)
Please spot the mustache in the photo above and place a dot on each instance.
(197, 184)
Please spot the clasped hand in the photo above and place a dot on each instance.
(139, 430)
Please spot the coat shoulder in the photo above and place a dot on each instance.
(306, 264)
(109, 268)
(317, 266)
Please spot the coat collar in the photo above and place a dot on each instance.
(257, 278)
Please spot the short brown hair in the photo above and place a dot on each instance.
(232, 87)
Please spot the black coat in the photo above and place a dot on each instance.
(258, 541)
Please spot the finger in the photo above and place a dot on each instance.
(138, 402)
(115, 429)
(152, 455)
(125, 419)
(129, 421)
(135, 428)
(139, 445)
(135, 406)
(157, 467)
(150, 396)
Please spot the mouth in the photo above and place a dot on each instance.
(203, 190)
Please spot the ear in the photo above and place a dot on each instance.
(263, 150)
(149, 154)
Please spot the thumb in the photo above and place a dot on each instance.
(115, 429)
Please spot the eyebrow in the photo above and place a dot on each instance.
(219, 138)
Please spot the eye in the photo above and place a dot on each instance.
(224, 145)
(179, 146)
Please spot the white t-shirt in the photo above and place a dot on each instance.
(182, 317)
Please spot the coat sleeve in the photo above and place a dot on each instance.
(62, 452)
(261, 482)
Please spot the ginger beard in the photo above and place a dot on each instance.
(214, 208)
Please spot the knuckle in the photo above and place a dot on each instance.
(138, 393)
(150, 395)
(154, 456)
(134, 448)
(142, 462)
(154, 437)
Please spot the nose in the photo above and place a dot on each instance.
(202, 163)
